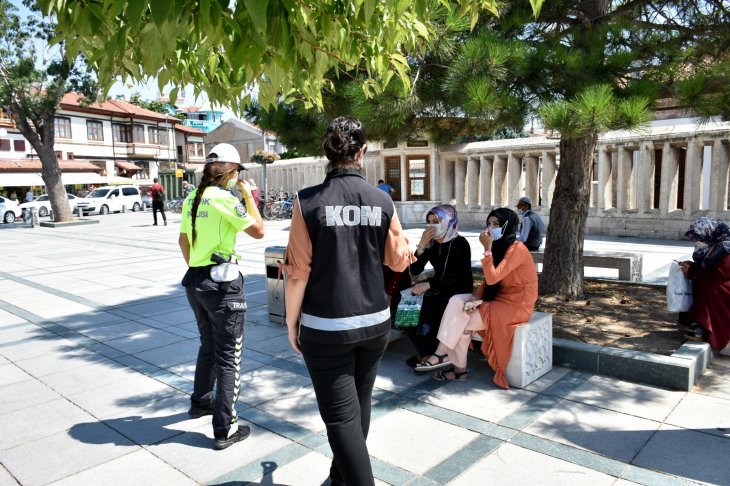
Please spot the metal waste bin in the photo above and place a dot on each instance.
(274, 286)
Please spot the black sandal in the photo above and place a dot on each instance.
(458, 375)
(425, 366)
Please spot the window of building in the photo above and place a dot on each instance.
(191, 150)
(122, 133)
(19, 145)
(152, 135)
(59, 154)
(94, 131)
(69, 155)
(162, 136)
(389, 144)
(418, 180)
(201, 152)
(138, 134)
(4, 145)
(62, 127)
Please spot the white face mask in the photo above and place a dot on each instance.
(440, 229)
(700, 245)
(497, 232)
(231, 183)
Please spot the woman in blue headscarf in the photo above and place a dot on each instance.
(450, 255)
(709, 270)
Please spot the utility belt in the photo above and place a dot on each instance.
(224, 270)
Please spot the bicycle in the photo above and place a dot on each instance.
(282, 209)
(175, 205)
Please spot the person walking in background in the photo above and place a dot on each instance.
(342, 232)
(533, 227)
(709, 271)
(29, 196)
(157, 193)
(385, 187)
(211, 219)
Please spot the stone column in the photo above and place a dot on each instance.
(603, 191)
(500, 179)
(434, 169)
(532, 166)
(514, 179)
(718, 185)
(472, 182)
(623, 185)
(460, 181)
(693, 175)
(485, 182)
(646, 176)
(669, 180)
(444, 194)
(549, 172)
(403, 178)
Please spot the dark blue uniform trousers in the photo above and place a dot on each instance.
(220, 309)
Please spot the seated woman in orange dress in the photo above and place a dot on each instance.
(508, 262)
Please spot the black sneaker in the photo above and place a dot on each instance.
(238, 436)
(695, 334)
(197, 412)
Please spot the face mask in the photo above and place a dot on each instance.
(497, 232)
(440, 229)
(520, 211)
(700, 245)
(231, 183)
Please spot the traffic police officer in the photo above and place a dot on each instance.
(212, 218)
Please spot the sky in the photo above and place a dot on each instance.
(148, 91)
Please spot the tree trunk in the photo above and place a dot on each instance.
(562, 271)
(54, 185)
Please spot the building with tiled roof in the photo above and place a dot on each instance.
(110, 138)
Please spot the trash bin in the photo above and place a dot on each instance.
(274, 286)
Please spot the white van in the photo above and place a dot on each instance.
(108, 199)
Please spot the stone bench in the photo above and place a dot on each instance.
(532, 350)
(629, 265)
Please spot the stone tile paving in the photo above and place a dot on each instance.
(97, 354)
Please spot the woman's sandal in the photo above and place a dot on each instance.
(458, 375)
(425, 365)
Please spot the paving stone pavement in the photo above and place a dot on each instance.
(97, 354)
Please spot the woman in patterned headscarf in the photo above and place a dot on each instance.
(450, 255)
(709, 271)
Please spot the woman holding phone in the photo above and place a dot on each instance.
(450, 255)
(505, 261)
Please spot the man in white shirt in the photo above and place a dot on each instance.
(29, 196)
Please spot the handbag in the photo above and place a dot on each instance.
(409, 308)
(679, 290)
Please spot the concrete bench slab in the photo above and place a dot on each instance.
(629, 265)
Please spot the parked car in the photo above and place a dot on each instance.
(9, 210)
(108, 199)
(43, 204)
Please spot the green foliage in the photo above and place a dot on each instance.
(155, 105)
(595, 110)
(284, 48)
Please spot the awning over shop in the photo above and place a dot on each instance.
(82, 178)
(20, 179)
(128, 166)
